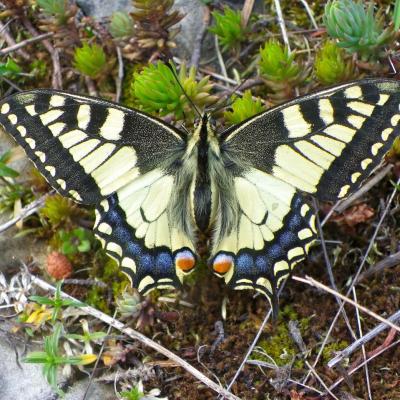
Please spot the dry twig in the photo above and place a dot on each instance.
(24, 43)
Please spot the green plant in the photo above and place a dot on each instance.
(90, 60)
(157, 90)
(356, 27)
(57, 8)
(57, 303)
(121, 25)
(79, 240)
(58, 209)
(51, 358)
(330, 66)
(10, 68)
(137, 393)
(228, 27)
(277, 63)
(243, 108)
(87, 336)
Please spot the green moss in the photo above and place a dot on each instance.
(243, 108)
(331, 349)
(280, 345)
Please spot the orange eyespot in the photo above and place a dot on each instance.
(222, 264)
(185, 261)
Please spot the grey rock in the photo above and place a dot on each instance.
(103, 8)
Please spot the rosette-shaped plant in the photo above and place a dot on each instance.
(356, 27)
(157, 90)
(243, 108)
(330, 66)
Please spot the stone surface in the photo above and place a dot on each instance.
(103, 8)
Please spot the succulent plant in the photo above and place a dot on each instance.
(121, 25)
(356, 27)
(228, 27)
(157, 90)
(153, 22)
(330, 66)
(243, 108)
(279, 69)
(90, 60)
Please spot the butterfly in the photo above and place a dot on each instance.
(155, 187)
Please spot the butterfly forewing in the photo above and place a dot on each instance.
(87, 148)
(326, 143)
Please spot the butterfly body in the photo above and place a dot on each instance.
(154, 187)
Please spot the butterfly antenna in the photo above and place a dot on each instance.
(172, 69)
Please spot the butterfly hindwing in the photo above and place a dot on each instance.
(325, 143)
(136, 229)
(275, 229)
(87, 148)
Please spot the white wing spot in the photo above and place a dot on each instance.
(333, 146)
(362, 108)
(129, 263)
(353, 92)
(113, 124)
(343, 191)
(386, 133)
(97, 157)
(305, 233)
(375, 148)
(146, 281)
(114, 248)
(50, 116)
(62, 183)
(304, 209)
(50, 169)
(22, 130)
(280, 266)
(31, 143)
(294, 122)
(296, 252)
(5, 108)
(56, 128)
(57, 101)
(31, 110)
(41, 156)
(355, 176)
(365, 163)
(356, 120)
(325, 111)
(75, 195)
(82, 149)
(265, 283)
(383, 98)
(83, 116)
(104, 228)
(395, 120)
(341, 132)
(72, 137)
(13, 119)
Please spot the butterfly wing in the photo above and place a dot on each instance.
(120, 160)
(324, 144)
(87, 148)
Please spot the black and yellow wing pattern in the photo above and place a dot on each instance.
(324, 144)
(154, 187)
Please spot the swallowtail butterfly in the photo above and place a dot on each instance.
(155, 187)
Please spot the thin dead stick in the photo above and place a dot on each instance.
(24, 43)
(312, 282)
(329, 268)
(281, 23)
(309, 13)
(143, 339)
(246, 12)
(395, 318)
(354, 281)
(388, 262)
(340, 380)
(219, 57)
(120, 77)
(320, 380)
(364, 353)
(11, 42)
(28, 210)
